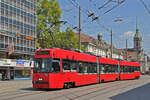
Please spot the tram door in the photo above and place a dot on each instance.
(98, 70)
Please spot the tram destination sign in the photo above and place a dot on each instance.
(43, 52)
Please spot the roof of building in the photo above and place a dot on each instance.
(137, 35)
(100, 34)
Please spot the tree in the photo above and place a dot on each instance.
(48, 14)
(48, 24)
(67, 39)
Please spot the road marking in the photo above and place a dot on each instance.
(5, 88)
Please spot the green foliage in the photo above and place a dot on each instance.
(48, 13)
(67, 39)
(48, 16)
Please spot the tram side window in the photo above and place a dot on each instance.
(132, 69)
(94, 65)
(73, 66)
(121, 69)
(102, 69)
(114, 68)
(108, 69)
(125, 69)
(92, 68)
(81, 68)
(55, 67)
(137, 68)
(66, 65)
(85, 64)
(69, 65)
(87, 67)
(128, 69)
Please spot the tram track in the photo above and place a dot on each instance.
(24, 94)
(78, 92)
(12, 93)
(93, 90)
(102, 91)
(106, 90)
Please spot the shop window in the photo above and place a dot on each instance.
(22, 73)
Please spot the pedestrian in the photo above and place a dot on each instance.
(3, 76)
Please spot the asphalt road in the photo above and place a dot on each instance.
(118, 90)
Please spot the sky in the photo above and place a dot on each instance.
(122, 29)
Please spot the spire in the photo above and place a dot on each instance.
(137, 38)
(137, 34)
(137, 29)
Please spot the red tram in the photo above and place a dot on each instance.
(59, 68)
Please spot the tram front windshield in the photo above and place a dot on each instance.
(46, 65)
(42, 65)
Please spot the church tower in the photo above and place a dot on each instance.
(99, 36)
(137, 39)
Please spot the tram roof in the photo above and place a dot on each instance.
(108, 61)
(68, 54)
(127, 63)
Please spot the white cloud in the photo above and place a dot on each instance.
(127, 34)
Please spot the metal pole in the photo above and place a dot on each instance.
(111, 43)
(126, 49)
(53, 38)
(79, 28)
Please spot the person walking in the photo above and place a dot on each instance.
(3, 76)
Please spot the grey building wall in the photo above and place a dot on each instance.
(18, 25)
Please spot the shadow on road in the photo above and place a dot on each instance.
(140, 93)
(35, 89)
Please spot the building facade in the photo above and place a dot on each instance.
(99, 47)
(18, 26)
(137, 52)
(17, 30)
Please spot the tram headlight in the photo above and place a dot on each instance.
(40, 79)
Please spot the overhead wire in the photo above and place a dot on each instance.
(145, 6)
(98, 21)
(104, 4)
(118, 4)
